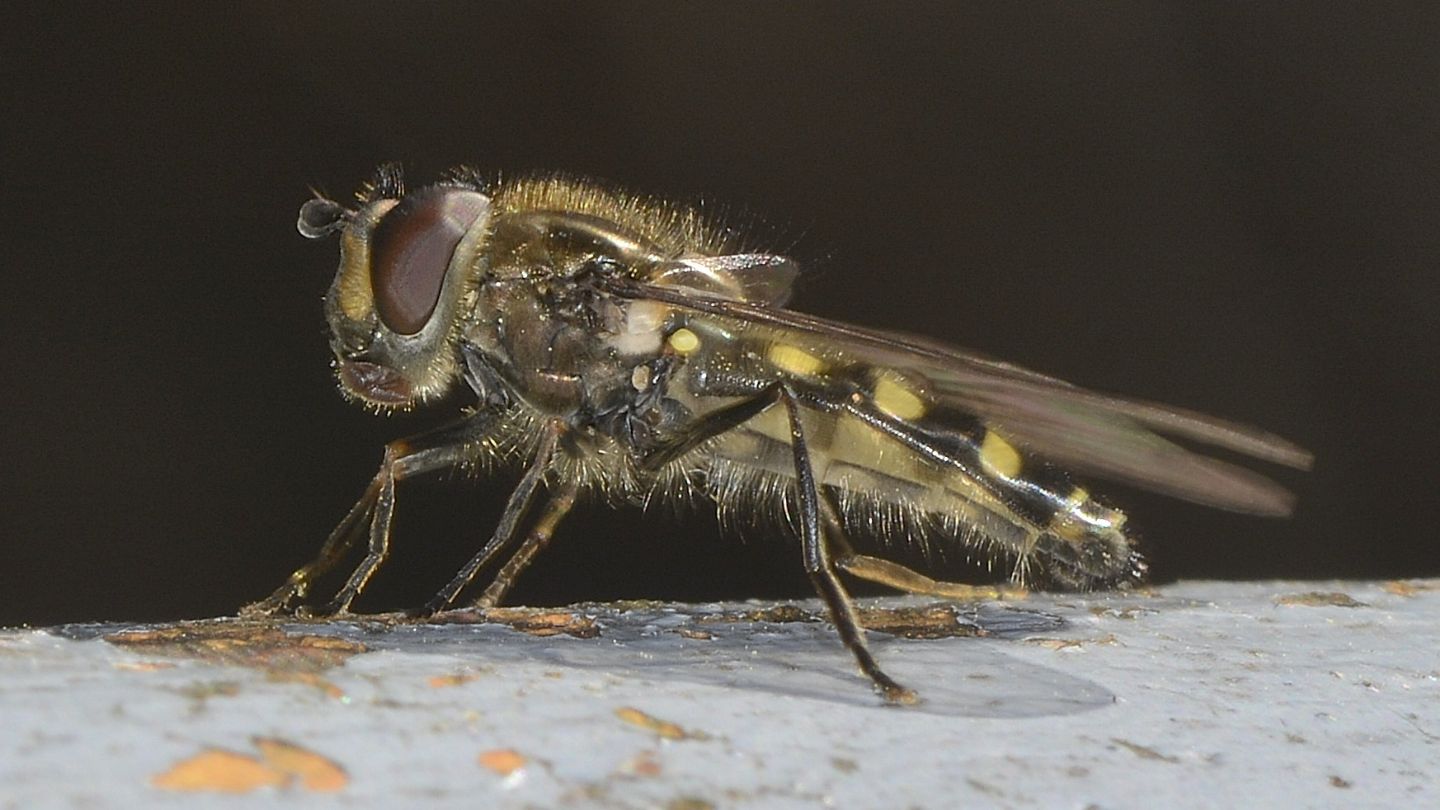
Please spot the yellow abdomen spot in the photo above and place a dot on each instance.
(684, 341)
(896, 400)
(998, 456)
(795, 360)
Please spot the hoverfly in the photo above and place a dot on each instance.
(623, 348)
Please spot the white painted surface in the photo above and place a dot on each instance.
(1202, 695)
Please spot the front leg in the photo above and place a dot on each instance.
(443, 448)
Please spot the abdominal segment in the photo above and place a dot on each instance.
(903, 465)
(991, 500)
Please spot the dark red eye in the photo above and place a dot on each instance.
(411, 248)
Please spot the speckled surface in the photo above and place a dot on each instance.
(1203, 694)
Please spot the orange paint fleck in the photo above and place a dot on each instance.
(457, 679)
(281, 764)
(642, 764)
(664, 728)
(1410, 587)
(503, 761)
(325, 685)
(315, 773)
(219, 771)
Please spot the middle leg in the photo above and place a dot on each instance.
(515, 509)
(540, 534)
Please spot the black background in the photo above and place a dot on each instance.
(1231, 208)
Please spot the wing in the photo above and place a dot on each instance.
(755, 278)
(1093, 433)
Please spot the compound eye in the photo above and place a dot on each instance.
(411, 249)
(320, 217)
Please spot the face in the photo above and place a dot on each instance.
(406, 263)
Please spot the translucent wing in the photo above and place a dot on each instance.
(1099, 434)
(756, 278)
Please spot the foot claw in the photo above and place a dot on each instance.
(329, 610)
(424, 612)
(266, 608)
(897, 695)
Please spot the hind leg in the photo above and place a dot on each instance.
(894, 575)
